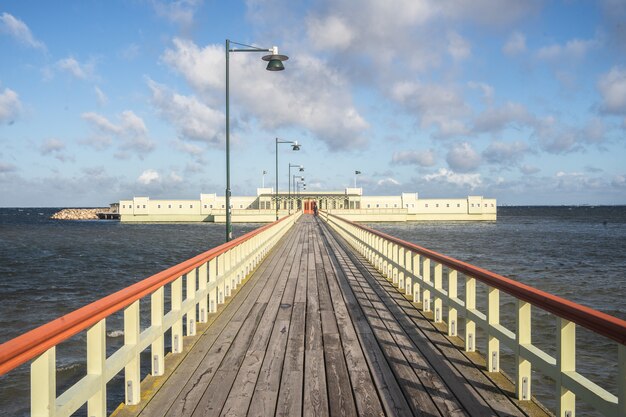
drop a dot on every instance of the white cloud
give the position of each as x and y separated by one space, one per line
486 89
612 86
505 153
450 177
75 68
17 29
573 49
309 95
131 132
529 169
458 47
177 11
515 45
332 32
422 158
463 158
488 12
498 118
100 96
148 177
56 148
10 106
193 120
435 105
387 181
6 167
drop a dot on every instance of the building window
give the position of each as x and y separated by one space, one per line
472 204
222 206
123 205
130 206
377 205
205 206
190 205
458 205
144 206
491 204
211 206
180 206
437 205
240 206
395 205
426 205
447 205
412 205
368 206
169 206
158 206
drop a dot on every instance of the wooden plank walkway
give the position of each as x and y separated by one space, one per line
316 331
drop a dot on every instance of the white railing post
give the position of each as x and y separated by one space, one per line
157 348
43 384
212 280
96 359
177 303
417 294
426 279
438 282
202 284
470 305
408 277
402 263
493 317
621 383
524 326
565 362
131 339
191 295
221 279
452 294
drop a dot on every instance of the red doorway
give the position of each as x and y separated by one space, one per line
309 206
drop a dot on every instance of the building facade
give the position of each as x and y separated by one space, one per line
350 204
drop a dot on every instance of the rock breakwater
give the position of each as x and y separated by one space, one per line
78 214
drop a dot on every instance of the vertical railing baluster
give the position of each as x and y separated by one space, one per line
96 359
43 384
191 295
470 304
426 279
493 317
452 294
177 327
221 284
523 333
203 308
417 291
565 362
212 279
621 383
401 266
157 348
395 251
408 272
229 275
438 282
131 339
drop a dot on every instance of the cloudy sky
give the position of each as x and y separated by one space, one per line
524 101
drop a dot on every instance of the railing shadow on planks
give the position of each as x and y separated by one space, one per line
409 267
208 278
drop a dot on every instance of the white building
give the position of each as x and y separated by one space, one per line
350 203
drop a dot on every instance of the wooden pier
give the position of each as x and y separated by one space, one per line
316 330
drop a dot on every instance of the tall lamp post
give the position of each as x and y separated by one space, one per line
300 178
355 174
274 63
294 146
301 169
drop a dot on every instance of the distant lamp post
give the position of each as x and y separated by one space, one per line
301 169
263 180
295 147
274 63
293 179
355 174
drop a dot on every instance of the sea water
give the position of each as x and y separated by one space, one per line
49 268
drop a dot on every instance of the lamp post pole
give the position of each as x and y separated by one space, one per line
274 63
355 174
289 183
296 147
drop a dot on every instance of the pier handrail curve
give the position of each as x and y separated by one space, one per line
597 321
29 345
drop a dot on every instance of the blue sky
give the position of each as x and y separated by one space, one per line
524 101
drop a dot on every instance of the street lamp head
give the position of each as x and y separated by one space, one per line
301 168
275 61
295 146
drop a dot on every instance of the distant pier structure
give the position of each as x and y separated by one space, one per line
349 203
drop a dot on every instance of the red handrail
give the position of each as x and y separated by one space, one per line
596 321
27 346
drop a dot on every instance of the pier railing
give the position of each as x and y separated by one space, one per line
419 272
208 278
